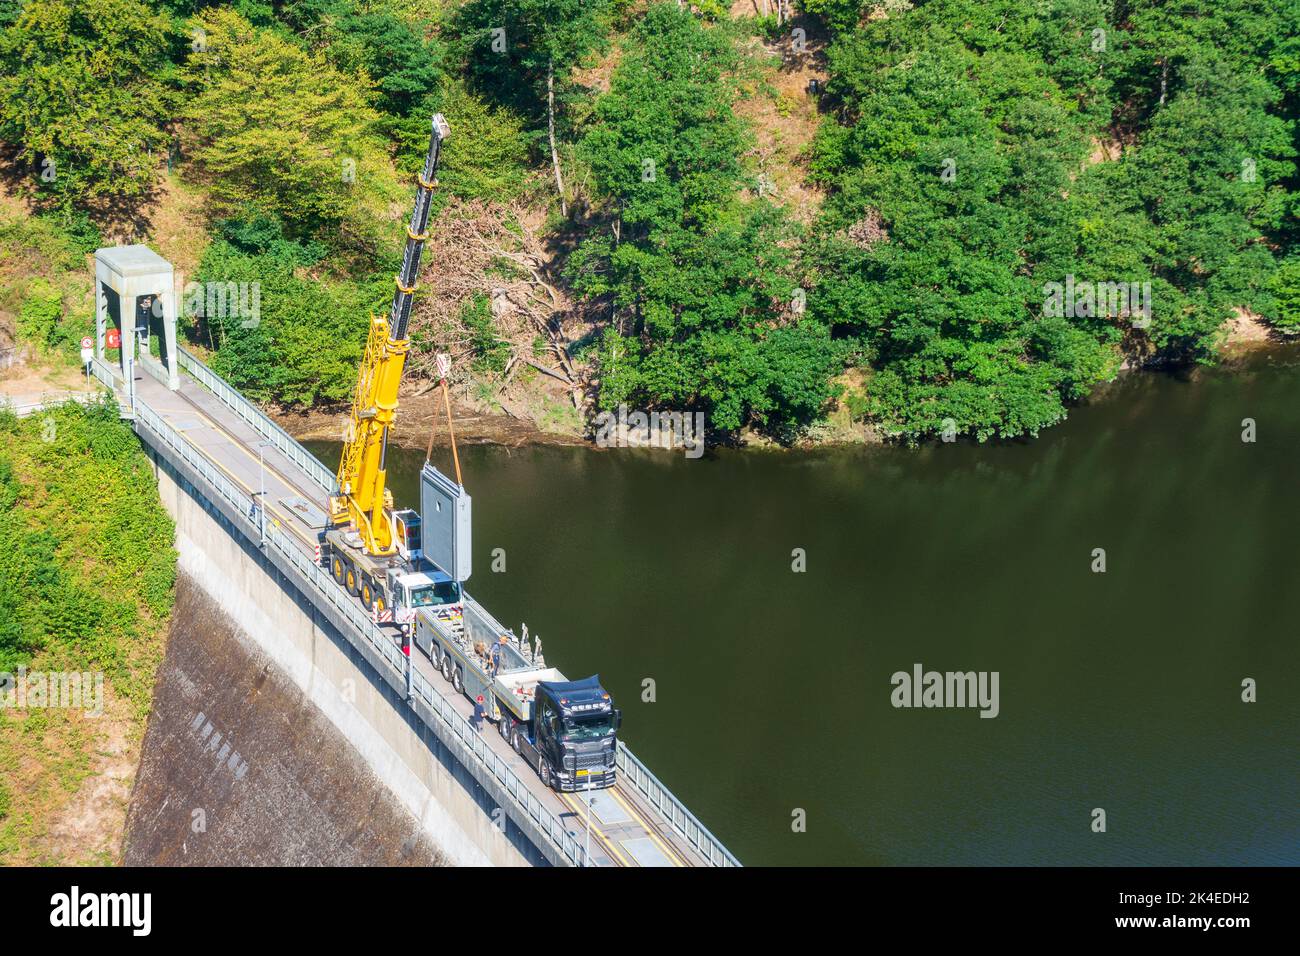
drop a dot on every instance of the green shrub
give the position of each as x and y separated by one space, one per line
491 353
86 560
39 317
304 345
1286 293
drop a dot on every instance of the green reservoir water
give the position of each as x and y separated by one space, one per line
1119 690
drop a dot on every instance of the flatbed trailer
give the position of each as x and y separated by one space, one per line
565 729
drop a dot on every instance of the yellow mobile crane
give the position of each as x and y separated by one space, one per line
374 551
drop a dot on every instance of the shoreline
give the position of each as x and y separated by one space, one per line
1249 339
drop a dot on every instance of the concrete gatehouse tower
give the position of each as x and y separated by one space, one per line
135 291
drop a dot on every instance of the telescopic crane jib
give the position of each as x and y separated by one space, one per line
363 501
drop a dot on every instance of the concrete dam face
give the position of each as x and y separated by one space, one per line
238 767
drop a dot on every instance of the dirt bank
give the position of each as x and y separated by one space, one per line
422 412
239 769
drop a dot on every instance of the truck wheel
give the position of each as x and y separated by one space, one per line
514 740
457 681
337 567
444 665
503 728
544 771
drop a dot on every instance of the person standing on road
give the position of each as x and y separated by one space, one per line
480 712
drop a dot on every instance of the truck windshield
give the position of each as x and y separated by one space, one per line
587 727
448 592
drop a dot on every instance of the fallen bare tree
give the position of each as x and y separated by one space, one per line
480 248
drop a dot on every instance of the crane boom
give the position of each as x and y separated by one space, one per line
363 500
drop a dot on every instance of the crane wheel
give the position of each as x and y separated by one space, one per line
337 568
351 580
367 596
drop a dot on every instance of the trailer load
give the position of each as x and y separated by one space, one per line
566 730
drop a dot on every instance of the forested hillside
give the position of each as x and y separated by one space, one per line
950 217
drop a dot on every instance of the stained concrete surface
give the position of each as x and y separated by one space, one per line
239 768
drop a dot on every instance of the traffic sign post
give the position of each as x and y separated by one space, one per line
87 353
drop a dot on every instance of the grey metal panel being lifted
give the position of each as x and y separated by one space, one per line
445 510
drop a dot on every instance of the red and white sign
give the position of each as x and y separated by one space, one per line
113 339
87 342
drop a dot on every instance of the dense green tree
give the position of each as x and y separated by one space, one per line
967 159
486 156
922 263
699 279
275 128
519 50
404 65
1286 294
394 50
305 342
83 95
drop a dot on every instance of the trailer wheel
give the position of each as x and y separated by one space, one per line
457 681
503 727
444 665
514 740
337 568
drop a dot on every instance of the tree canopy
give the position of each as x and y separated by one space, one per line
83 94
698 275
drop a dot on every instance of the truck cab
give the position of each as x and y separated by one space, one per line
430 590
575 734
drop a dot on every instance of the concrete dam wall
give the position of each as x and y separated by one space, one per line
239 767
272 733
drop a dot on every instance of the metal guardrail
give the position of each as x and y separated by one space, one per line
671 809
47 400
656 795
258 419
659 797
